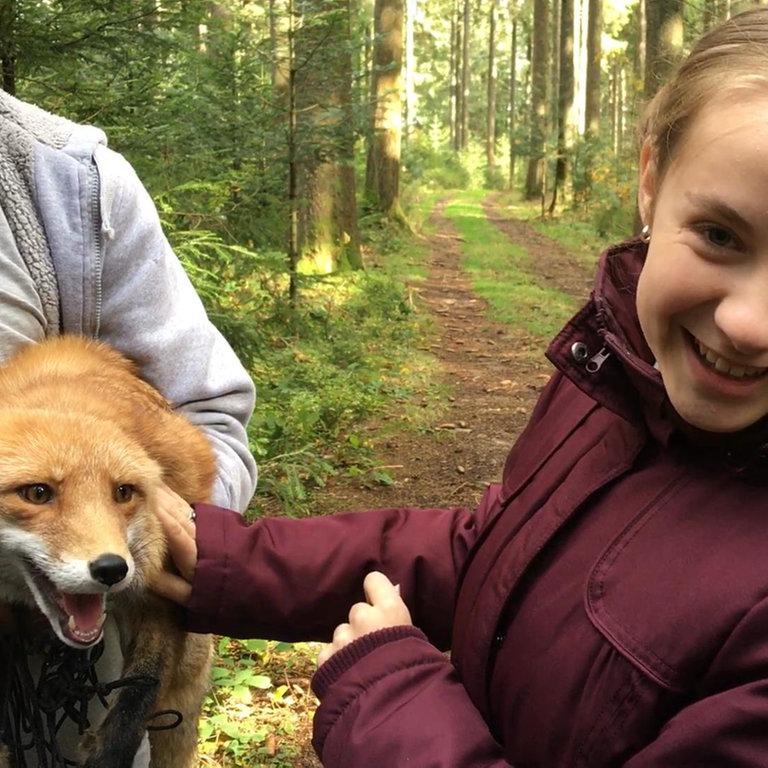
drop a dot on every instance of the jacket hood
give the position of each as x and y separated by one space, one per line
604 352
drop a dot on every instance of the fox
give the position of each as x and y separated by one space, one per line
85 444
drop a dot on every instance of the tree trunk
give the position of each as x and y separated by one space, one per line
410 70
384 154
455 58
327 222
594 58
465 75
513 104
490 110
7 48
280 17
565 100
663 42
534 183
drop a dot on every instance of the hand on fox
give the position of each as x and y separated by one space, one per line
179 528
384 608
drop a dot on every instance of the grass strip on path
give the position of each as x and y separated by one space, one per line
504 273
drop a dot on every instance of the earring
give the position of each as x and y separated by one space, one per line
645 234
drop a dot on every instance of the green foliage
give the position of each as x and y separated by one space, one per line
237 285
605 188
253 709
495 178
322 366
332 362
433 167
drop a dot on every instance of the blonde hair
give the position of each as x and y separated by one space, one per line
730 56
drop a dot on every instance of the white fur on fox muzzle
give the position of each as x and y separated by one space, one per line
71 594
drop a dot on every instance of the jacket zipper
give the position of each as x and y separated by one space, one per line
595 363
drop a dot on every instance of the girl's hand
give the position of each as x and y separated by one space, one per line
384 608
178 522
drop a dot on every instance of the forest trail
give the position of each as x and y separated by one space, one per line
493 373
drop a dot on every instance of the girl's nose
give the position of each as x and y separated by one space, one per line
742 316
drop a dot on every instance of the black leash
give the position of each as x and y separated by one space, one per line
32 713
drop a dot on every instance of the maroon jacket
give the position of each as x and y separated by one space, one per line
606 604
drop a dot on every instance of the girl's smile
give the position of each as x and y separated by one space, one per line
724 367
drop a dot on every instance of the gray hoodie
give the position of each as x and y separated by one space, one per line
91 258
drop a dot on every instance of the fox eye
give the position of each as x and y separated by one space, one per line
36 493
124 493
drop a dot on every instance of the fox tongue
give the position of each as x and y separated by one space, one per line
85 611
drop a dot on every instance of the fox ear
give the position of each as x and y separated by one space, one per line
646 188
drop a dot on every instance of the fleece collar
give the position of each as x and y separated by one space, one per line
22 127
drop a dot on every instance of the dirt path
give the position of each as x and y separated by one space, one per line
494 375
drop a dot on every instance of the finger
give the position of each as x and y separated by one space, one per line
359 614
169 501
325 653
343 635
385 597
181 543
172 587
379 589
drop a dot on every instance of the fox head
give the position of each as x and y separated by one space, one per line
76 517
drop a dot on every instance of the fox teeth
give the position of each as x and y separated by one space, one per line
91 634
721 365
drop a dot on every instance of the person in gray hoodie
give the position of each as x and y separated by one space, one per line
82 251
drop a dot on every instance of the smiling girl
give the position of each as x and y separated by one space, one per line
607 603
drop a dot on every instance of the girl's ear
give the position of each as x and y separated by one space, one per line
646 188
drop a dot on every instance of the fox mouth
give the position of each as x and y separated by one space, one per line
77 618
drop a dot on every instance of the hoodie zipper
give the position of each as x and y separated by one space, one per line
94 212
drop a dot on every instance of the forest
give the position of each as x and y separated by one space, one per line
284 142
295 148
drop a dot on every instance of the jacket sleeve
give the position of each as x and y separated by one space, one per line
726 724
296 579
151 312
392 699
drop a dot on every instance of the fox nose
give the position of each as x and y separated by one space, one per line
108 569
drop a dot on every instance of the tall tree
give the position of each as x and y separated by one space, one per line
322 78
8 42
565 97
618 93
465 74
410 68
490 109
594 69
663 41
512 133
534 182
383 166
455 76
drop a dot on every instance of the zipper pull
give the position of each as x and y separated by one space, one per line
595 363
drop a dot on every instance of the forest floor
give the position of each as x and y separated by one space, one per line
492 374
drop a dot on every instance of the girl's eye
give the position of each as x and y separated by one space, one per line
718 236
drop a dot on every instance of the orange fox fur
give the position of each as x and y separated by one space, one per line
84 445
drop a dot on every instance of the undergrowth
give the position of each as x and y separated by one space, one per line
344 352
260 708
